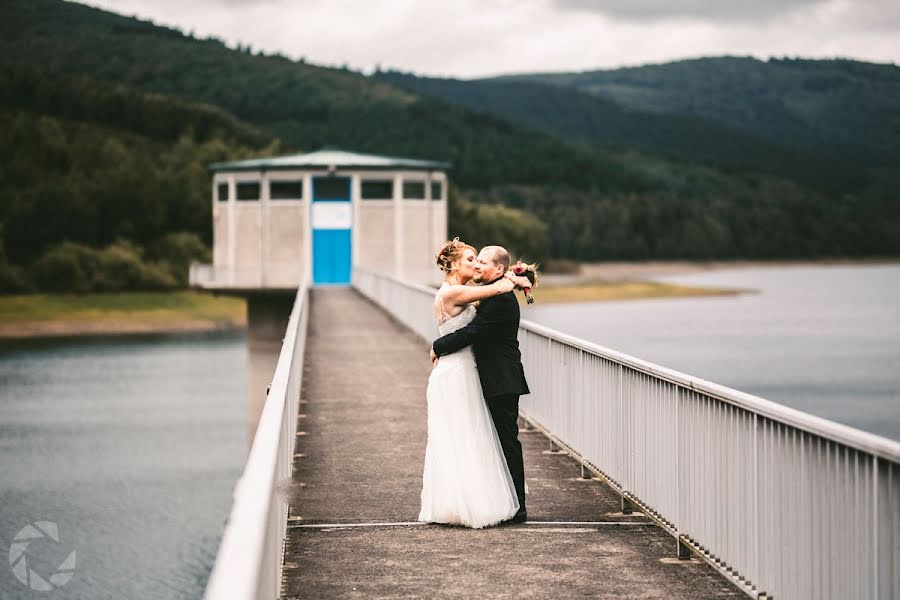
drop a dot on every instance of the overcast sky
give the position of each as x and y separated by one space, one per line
473 38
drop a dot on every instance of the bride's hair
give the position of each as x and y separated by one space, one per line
451 252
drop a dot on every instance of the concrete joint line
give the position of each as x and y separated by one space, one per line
529 524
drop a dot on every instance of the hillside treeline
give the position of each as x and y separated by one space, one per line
109 124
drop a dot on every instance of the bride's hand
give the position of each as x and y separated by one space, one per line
505 284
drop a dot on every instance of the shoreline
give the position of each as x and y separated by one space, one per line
33 316
181 312
619 271
81 328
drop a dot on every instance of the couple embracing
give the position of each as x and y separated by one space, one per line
473 473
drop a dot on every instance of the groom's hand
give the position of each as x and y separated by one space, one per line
434 359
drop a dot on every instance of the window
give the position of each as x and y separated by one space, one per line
414 190
331 188
377 189
437 190
222 192
286 190
248 191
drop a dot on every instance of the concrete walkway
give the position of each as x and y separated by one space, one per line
357 477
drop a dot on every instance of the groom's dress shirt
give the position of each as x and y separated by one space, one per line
493 334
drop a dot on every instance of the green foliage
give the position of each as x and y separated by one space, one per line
74 181
177 250
155 116
521 233
576 115
13 279
118 267
67 267
842 108
767 218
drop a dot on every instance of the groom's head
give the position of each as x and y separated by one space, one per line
491 264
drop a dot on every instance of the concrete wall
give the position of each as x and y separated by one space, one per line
419 247
375 235
247 251
285 242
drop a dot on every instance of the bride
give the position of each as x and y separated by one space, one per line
465 480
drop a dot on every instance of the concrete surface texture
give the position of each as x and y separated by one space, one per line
354 496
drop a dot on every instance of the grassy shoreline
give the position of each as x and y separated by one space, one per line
50 315
55 315
609 291
61 315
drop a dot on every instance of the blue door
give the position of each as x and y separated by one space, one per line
332 222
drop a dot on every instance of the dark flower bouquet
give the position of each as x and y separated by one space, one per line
530 272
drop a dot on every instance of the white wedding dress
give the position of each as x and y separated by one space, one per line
465 480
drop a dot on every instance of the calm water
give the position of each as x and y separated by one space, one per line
132 445
824 339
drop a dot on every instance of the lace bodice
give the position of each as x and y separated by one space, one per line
448 324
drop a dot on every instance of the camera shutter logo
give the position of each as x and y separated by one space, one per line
18 558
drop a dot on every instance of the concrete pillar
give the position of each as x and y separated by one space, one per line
265 236
399 246
232 229
355 200
267 318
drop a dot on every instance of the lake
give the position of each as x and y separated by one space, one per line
132 446
821 339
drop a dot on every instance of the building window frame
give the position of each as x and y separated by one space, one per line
414 183
241 188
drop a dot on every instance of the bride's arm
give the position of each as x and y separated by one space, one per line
460 295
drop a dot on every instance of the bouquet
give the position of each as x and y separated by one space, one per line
530 272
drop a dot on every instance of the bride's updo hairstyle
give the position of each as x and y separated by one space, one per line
451 252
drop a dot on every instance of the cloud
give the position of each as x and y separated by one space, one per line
474 38
732 11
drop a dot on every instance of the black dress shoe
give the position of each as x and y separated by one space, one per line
519 517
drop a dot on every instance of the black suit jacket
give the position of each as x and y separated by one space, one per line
493 334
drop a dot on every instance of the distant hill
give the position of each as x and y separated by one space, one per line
843 108
576 115
112 121
306 106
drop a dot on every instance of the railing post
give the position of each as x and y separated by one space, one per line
682 550
628 506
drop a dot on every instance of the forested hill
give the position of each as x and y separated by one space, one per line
576 115
845 108
306 106
109 123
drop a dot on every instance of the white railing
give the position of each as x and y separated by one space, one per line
249 562
782 503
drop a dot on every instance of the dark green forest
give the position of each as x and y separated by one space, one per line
841 108
109 124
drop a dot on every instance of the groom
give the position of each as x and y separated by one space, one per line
493 335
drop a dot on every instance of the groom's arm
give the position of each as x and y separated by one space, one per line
490 315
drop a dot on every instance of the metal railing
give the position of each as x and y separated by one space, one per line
249 561
782 503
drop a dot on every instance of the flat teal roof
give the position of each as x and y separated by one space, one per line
337 159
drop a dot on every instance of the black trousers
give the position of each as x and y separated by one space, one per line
505 412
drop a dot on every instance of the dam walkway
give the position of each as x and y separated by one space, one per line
353 496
